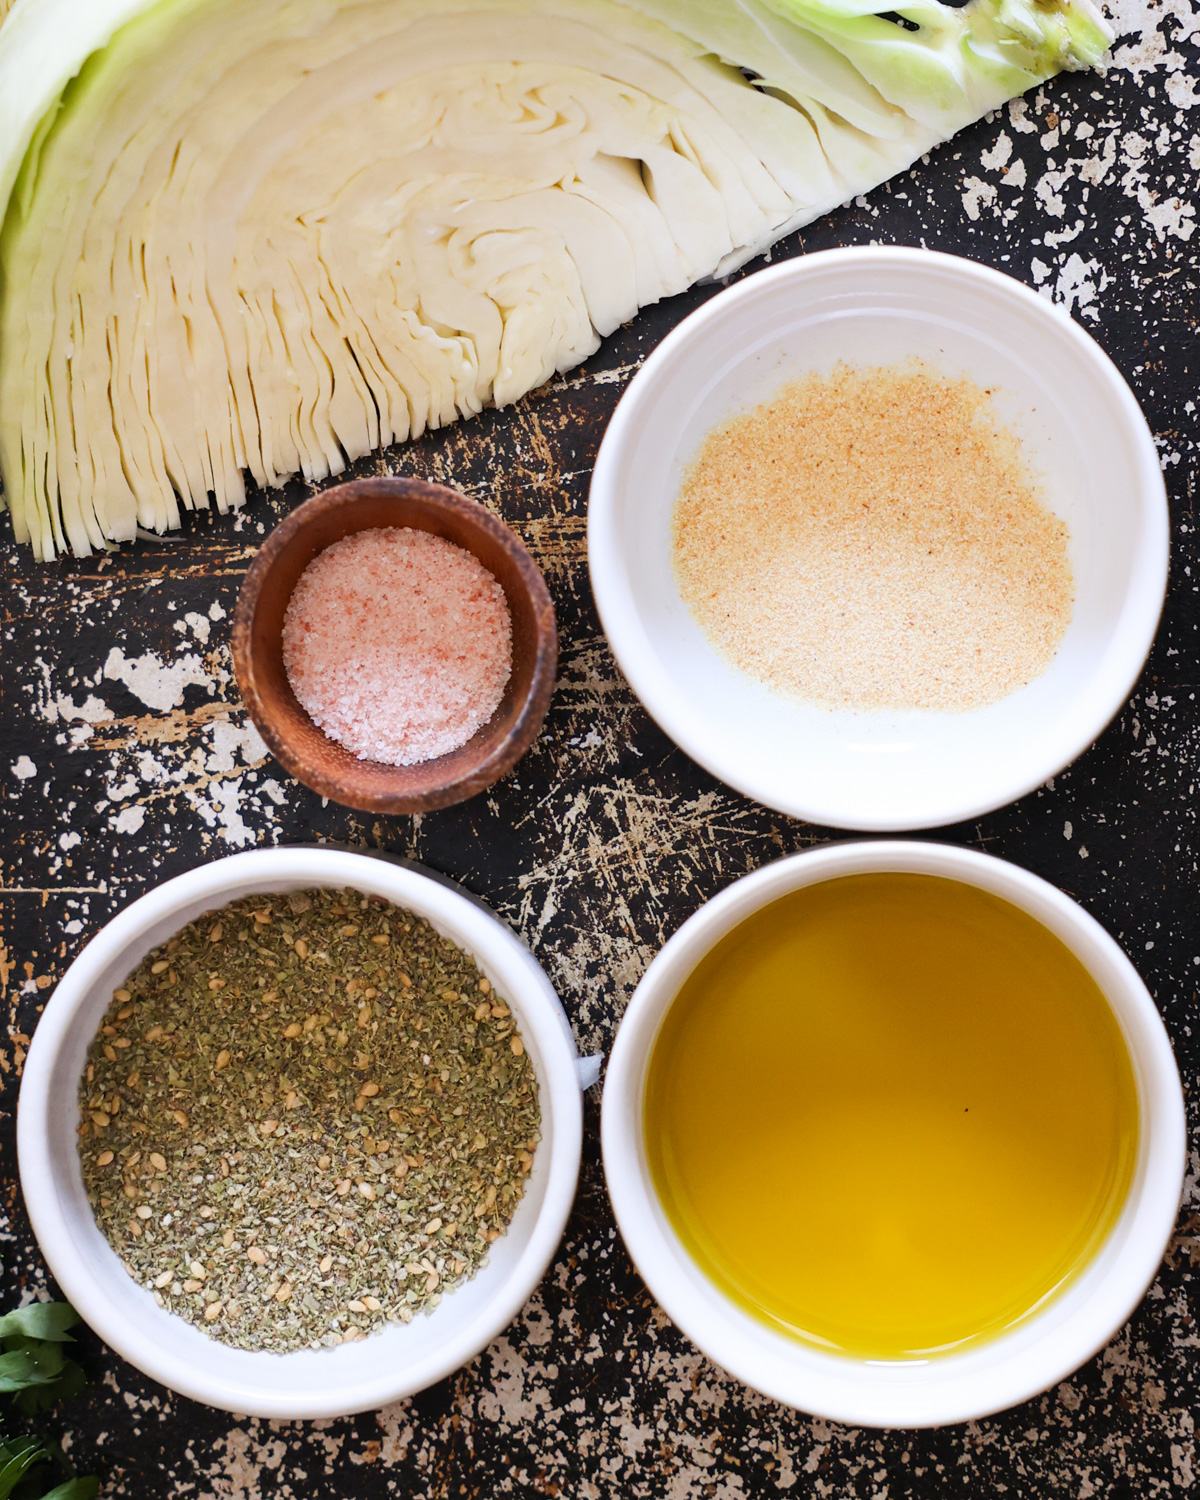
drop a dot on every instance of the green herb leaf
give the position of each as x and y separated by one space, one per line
74 1489
18 1457
41 1397
40 1320
36 1373
26 1367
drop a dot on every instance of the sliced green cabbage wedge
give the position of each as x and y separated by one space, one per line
264 237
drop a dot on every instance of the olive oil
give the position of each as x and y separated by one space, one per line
891 1114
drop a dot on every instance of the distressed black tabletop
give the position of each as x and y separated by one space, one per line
127 758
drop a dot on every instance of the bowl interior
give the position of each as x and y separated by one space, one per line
304 749
395 1361
1083 436
919 1392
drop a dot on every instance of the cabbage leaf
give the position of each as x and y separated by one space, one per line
265 237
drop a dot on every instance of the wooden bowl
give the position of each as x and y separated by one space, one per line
305 751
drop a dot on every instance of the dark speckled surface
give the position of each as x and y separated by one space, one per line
126 758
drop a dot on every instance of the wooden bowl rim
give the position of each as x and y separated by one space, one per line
472 778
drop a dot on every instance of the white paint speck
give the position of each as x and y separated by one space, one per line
129 820
1000 153
1079 285
24 768
157 684
199 625
61 708
230 739
977 195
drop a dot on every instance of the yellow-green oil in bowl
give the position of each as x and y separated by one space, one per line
891 1114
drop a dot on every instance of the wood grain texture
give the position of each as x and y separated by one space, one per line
127 757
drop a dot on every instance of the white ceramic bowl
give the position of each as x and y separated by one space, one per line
1082 432
953 1387
310 1383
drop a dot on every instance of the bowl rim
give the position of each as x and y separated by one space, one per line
633 647
991 1377
473 925
528 722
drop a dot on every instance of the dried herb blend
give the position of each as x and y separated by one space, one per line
303 1117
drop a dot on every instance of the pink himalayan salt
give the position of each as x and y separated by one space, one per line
398 644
